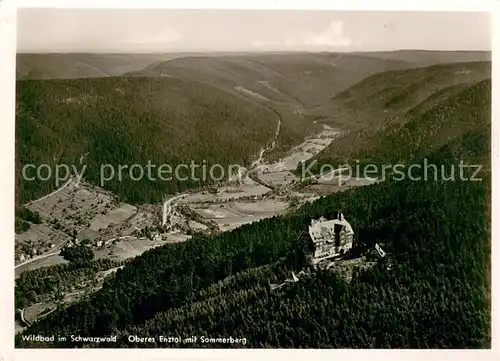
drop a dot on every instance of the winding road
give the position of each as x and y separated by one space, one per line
166 212
52 252
259 160
52 193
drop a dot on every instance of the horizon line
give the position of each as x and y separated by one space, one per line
245 51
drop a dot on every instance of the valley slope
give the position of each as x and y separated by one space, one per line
402 116
430 290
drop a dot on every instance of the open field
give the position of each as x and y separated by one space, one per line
310 147
233 215
247 188
338 185
278 178
68 66
148 257
41 237
79 211
48 261
73 207
115 216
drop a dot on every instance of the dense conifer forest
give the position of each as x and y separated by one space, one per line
414 134
42 283
126 121
431 290
434 295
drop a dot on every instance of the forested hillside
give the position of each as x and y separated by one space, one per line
390 93
412 134
431 290
435 294
429 57
175 111
81 65
288 83
307 79
132 121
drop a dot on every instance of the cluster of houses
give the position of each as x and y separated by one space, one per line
30 254
91 238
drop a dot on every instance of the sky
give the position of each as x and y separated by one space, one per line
170 30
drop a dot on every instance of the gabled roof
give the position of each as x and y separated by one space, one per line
333 226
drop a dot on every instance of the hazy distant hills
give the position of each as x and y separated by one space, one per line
429 57
88 65
74 65
163 104
307 79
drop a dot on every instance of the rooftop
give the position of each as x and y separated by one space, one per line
321 226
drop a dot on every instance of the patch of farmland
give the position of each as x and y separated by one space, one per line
41 236
74 206
113 217
248 188
129 247
233 215
334 185
278 178
50 260
197 226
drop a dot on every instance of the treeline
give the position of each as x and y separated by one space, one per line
42 283
78 253
435 295
127 121
24 215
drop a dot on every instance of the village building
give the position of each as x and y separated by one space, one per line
331 238
214 190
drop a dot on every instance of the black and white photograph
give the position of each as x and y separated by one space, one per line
252 179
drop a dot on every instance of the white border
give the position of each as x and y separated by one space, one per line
7 140
428 5
7 94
